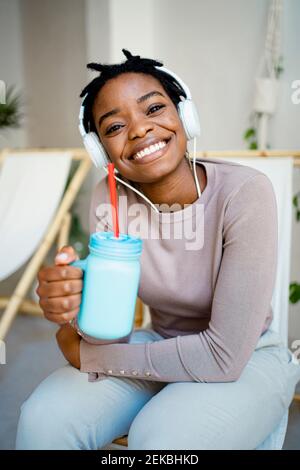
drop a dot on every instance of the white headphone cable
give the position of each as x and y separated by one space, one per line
135 190
194 168
148 200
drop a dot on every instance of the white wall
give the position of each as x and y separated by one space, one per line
97 30
11 64
54 65
214 46
284 130
132 26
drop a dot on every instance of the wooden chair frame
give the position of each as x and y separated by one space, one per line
58 227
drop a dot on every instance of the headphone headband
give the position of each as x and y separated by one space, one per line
181 83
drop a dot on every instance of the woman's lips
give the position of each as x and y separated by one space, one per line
153 156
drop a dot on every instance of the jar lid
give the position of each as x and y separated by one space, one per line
107 244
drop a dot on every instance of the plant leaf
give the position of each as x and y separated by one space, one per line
295 201
251 132
10 115
294 294
253 146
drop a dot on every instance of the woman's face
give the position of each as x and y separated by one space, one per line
139 127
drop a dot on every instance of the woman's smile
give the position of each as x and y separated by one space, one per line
151 151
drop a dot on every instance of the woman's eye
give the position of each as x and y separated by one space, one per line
155 108
113 128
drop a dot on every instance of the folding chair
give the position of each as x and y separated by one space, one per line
33 214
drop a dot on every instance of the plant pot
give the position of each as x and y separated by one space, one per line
266 95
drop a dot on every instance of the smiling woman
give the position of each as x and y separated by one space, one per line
209 360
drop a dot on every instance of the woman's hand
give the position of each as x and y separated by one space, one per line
60 288
68 341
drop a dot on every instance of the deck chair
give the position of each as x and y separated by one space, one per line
34 212
280 172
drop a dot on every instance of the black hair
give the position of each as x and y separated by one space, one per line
134 64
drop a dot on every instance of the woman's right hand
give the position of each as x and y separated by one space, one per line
60 287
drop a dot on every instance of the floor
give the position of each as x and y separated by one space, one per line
32 354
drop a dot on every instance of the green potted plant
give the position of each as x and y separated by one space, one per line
10 115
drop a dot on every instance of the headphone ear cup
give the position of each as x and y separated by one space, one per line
96 150
190 119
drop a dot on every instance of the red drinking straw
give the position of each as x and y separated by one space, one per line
113 198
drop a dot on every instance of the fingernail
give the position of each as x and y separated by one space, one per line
62 256
67 287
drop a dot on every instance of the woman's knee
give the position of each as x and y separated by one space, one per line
35 425
154 435
141 437
148 433
42 426
46 417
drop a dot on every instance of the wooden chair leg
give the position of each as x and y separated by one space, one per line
121 441
64 233
139 312
28 307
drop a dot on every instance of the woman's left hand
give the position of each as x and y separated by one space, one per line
68 341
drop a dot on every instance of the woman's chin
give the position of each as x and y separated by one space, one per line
153 174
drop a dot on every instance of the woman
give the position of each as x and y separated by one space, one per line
208 373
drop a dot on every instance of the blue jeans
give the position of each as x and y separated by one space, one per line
67 412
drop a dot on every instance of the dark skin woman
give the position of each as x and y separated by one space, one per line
130 112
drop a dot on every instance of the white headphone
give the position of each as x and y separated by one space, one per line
186 109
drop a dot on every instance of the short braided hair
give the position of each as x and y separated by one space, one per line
134 64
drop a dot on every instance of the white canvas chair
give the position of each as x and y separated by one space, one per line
33 214
280 172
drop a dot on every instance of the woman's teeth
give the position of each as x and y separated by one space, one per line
149 150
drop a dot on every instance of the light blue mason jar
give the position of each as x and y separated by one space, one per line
110 285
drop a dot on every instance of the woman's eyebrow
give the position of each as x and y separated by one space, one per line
109 113
139 100
148 95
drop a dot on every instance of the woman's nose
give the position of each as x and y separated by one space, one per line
139 127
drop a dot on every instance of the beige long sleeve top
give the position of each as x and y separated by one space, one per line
209 292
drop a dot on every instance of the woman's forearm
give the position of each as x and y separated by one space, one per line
68 341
